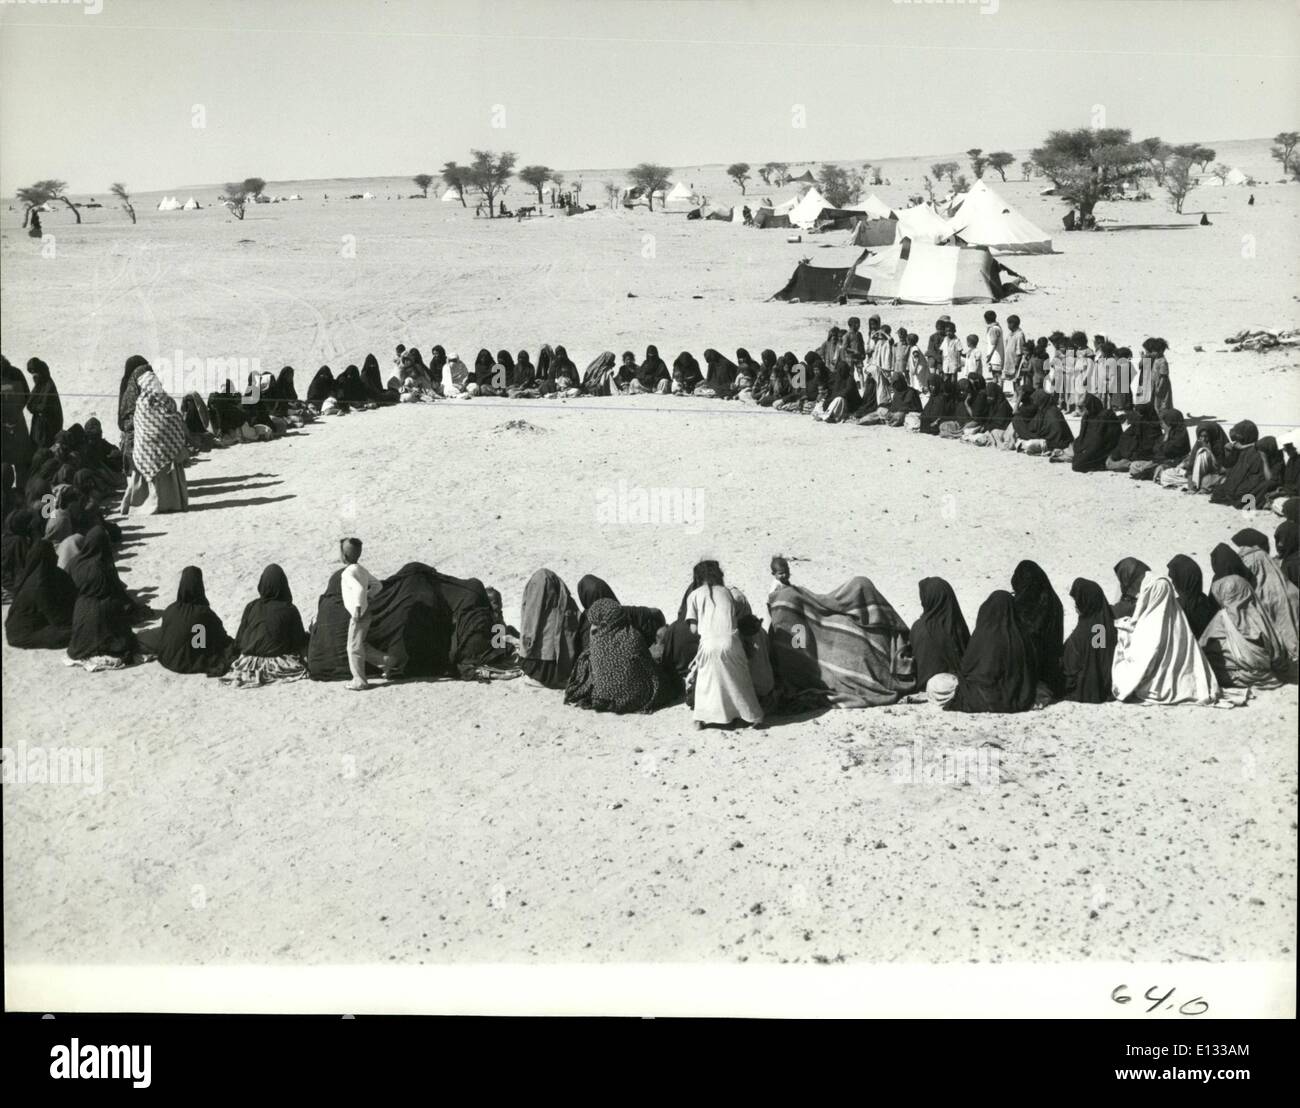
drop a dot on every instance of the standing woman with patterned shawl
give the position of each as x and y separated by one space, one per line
44 404
159 445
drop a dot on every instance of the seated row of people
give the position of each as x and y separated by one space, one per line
1165 640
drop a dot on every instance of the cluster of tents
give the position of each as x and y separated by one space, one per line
913 255
171 204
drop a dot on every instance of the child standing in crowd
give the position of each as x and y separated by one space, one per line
994 354
780 575
973 360
918 365
934 349
855 344
952 353
1019 348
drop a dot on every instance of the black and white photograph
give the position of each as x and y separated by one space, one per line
679 508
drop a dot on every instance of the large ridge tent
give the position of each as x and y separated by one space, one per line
923 273
824 277
980 217
809 207
805 178
908 272
770 218
874 207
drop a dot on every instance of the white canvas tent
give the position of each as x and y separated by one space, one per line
678 194
806 211
1234 177
191 205
451 195
169 204
980 217
923 273
921 223
873 206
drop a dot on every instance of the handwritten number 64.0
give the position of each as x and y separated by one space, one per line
1195 1007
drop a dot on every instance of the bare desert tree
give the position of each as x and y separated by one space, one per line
119 190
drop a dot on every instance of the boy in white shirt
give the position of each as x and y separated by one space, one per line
359 587
994 346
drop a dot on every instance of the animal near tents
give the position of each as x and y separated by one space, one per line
907 272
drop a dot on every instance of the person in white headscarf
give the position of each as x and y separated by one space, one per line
1157 658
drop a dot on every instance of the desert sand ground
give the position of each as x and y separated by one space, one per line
437 822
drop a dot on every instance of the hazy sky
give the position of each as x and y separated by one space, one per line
326 88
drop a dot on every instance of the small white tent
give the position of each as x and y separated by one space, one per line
169 204
451 195
191 205
980 217
367 196
805 213
679 193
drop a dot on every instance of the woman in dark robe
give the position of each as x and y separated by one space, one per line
625 374
942 406
1051 427
271 639
376 393
841 397
548 636
997 671
1130 573
350 389
1090 649
590 589
940 637
16 445
41 615
1025 418
437 359
1197 606
563 371
977 405
1170 450
327 648
719 376
8 490
1043 619
1246 481
321 388
905 401
44 404
22 528
765 384
101 624
98 453
620 676
1099 433
484 373
686 373
652 375
523 381
1287 540
1226 562
192 638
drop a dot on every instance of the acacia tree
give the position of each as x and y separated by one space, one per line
999 160
253 186
119 190
1088 166
235 196
536 176
1026 170
456 177
840 186
650 178
1195 153
558 180
940 170
739 172
1284 151
1178 181
612 189
489 175
422 182
45 192
977 161
1157 154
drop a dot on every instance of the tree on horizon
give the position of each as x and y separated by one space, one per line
235 197
1090 165
999 160
489 175
977 161
43 192
739 172
650 178
1284 151
537 176
456 177
119 190
422 181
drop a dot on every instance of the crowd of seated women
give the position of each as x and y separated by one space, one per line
1165 639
